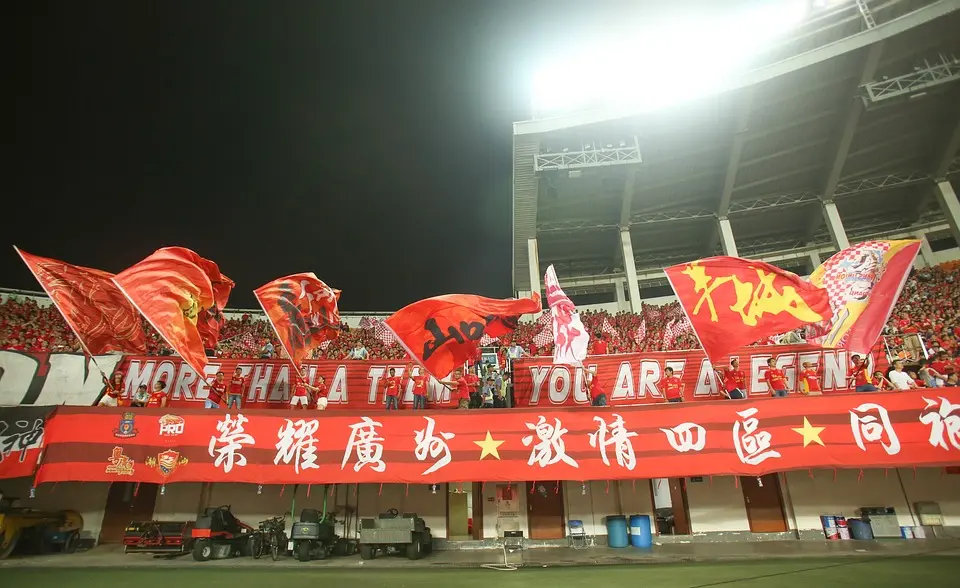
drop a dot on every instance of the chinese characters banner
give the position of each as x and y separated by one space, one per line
749 437
21 439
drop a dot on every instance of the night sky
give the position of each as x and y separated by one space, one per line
367 141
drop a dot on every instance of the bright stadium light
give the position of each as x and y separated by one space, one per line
671 63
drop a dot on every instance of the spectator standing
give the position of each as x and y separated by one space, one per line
599 345
776 379
672 386
235 391
158 398
734 381
810 379
267 351
419 387
215 395
391 390
861 375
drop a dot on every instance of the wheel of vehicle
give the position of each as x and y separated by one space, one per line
70 545
302 550
202 550
366 552
256 546
274 546
6 550
427 543
322 552
416 548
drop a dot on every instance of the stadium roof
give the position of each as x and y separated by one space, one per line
860 109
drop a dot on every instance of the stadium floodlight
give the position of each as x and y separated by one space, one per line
670 63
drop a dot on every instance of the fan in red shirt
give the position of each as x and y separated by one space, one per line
113 394
861 375
672 387
158 398
776 379
321 391
301 392
419 387
734 381
599 345
462 393
215 395
391 389
810 379
597 395
235 389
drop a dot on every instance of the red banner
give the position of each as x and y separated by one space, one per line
21 439
627 379
749 437
635 378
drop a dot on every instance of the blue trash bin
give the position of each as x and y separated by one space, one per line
617 531
640 535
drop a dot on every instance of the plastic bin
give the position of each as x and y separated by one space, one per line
640 534
617 531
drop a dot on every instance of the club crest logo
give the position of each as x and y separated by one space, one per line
166 462
171 425
126 429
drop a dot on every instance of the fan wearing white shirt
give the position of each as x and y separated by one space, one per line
899 378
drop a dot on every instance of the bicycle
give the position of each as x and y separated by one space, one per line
270 536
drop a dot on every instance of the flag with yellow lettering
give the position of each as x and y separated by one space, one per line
732 302
863 283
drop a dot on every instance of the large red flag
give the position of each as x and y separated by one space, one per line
170 288
303 311
732 302
211 320
864 282
91 304
443 332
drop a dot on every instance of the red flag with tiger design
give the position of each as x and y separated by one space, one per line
303 312
170 288
91 304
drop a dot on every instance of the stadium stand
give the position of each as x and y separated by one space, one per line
929 306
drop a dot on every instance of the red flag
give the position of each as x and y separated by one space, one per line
303 312
444 331
170 288
732 302
91 304
211 320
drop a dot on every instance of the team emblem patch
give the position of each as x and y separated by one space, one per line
127 428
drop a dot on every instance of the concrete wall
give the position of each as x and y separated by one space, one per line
716 506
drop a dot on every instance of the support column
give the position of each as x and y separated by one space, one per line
837 233
726 237
621 298
814 260
533 259
950 207
926 252
630 266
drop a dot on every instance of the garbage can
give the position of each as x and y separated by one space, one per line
640 535
860 530
617 531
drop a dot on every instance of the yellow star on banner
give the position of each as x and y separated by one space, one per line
489 446
810 433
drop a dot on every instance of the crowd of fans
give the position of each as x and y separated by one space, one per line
928 306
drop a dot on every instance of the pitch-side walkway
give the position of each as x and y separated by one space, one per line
113 557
